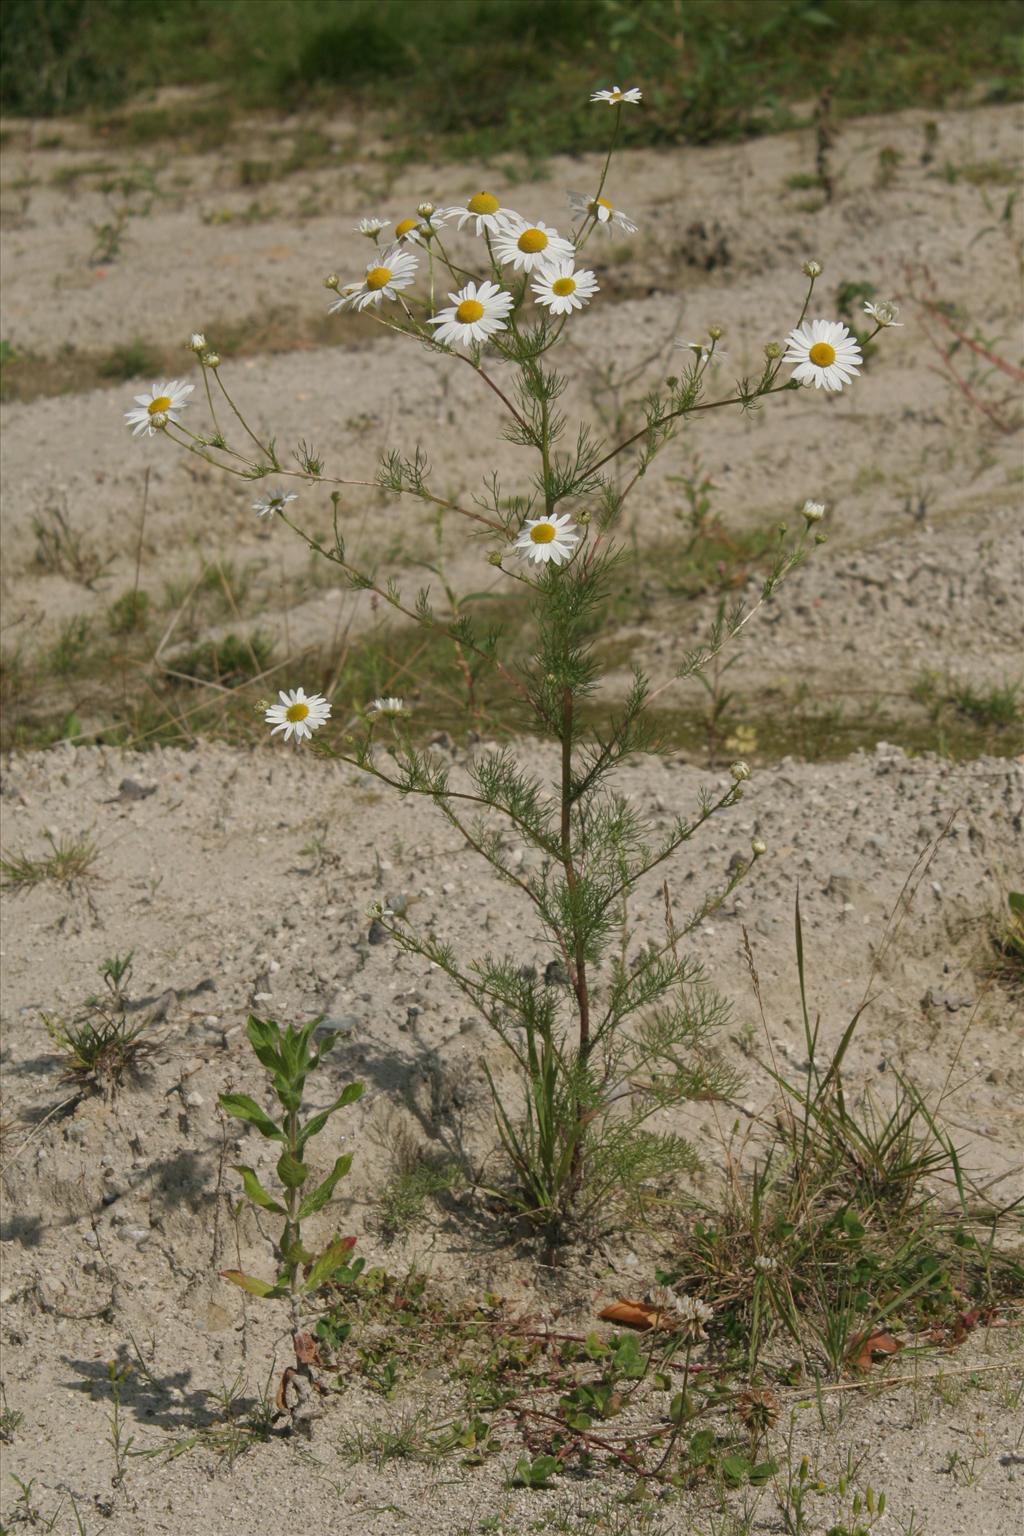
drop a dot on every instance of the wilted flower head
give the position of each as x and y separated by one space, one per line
814 511
693 1315
197 342
765 1263
273 501
812 268
740 771
758 1409
884 311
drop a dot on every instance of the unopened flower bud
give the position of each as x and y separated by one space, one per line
197 342
812 269
740 771
783 529
582 519
821 538
425 210
758 847
773 351
211 359
495 557
158 419
814 511
332 280
715 332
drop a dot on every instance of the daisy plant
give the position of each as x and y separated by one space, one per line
602 1042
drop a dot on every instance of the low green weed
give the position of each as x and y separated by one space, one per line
69 863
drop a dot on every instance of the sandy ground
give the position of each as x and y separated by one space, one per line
242 881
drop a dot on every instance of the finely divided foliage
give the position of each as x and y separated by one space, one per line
602 1040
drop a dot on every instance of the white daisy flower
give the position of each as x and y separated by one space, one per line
273 501
407 230
159 407
602 211
616 96
385 278
299 714
485 208
371 228
547 538
387 706
825 354
884 311
814 511
529 246
561 288
476 313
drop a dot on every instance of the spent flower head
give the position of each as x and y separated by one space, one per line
544 539
273 501
884 311
615 96
693 1315
740 771
812 268
814 511
197 342
766 1263
157 407
298 714
826 354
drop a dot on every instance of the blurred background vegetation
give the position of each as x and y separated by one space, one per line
454 76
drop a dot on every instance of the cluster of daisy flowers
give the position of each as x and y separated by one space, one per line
530 256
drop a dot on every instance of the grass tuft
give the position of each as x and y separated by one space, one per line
69 863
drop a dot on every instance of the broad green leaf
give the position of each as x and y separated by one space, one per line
295 1252
243 1108
315 1126
254 1189
735 1469
265 1039
250 1283
290 1171
320 1196
332 1258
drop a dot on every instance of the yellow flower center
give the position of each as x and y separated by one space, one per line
543 533
532 240
599 203
296 712
822 355
378 277
483 202
160 404
405 226
468 311
563 286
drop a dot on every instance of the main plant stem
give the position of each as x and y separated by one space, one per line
579 976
